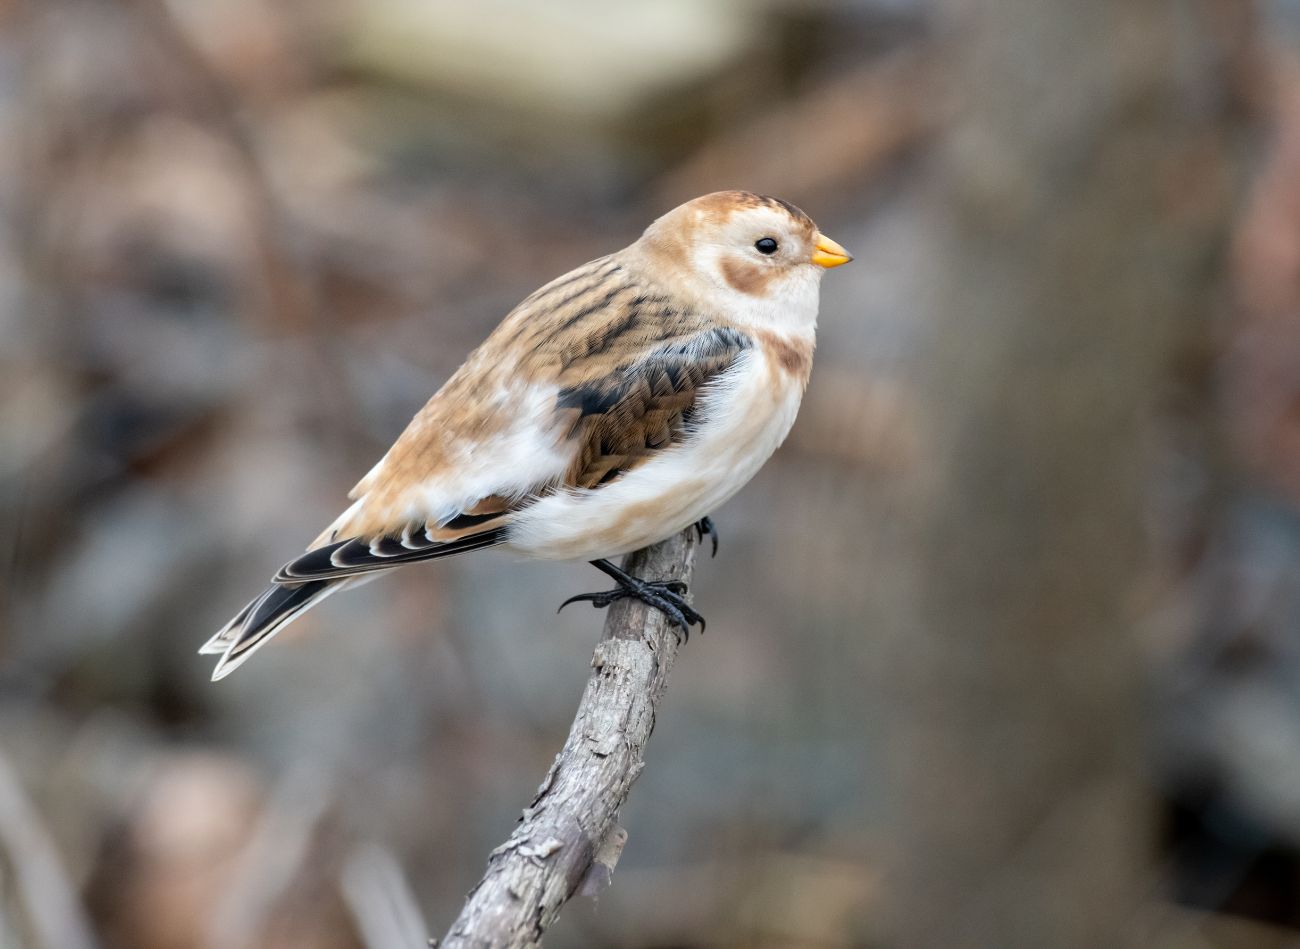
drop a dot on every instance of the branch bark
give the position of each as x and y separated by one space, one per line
569 838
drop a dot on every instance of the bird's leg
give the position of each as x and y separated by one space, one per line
706 528
663 595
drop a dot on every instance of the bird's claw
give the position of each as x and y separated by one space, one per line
705 527
663 595
598 600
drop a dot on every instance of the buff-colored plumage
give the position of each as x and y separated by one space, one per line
613 407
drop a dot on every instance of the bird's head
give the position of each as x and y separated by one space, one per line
748 245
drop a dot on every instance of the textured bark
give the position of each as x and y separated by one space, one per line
569 837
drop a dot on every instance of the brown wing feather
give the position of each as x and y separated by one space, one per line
626 415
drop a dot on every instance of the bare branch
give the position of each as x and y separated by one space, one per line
569 838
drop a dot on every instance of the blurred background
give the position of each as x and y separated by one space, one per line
1004 644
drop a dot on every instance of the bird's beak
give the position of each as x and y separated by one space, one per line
829 254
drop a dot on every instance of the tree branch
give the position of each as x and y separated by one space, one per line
569 838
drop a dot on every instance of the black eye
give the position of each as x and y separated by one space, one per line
765 245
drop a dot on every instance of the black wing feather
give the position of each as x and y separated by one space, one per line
347 558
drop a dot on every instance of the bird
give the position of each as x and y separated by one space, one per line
615 406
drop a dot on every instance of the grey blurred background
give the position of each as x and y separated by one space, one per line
1004 644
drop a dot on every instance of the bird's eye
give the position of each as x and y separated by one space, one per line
765 245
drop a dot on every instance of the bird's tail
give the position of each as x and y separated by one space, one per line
254 625
304 582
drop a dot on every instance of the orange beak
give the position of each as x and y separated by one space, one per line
829 254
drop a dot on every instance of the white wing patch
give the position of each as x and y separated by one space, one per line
511 463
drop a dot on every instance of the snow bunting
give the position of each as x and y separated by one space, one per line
617 405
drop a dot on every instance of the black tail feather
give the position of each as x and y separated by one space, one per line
265 617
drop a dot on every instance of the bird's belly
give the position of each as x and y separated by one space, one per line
742 424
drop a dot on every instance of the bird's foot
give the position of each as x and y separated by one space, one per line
705 527
664 595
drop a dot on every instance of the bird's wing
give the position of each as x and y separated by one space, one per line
586 380
621 418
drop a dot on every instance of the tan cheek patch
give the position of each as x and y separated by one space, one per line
748 277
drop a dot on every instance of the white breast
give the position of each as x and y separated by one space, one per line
741 419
